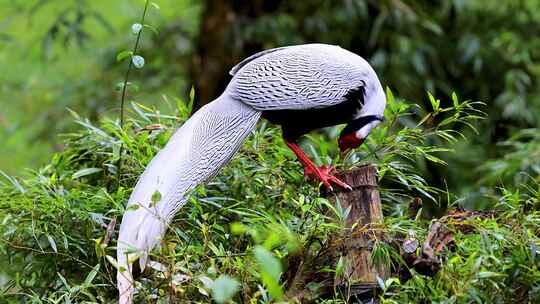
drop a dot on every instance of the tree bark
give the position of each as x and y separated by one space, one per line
220 43
211 56
359 276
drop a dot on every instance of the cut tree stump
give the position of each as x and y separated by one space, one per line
359 276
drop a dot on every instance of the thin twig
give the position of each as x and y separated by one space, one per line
15 246
124 92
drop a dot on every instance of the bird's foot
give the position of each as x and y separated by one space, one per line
324 169
324 174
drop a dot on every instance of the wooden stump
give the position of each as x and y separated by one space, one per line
359 277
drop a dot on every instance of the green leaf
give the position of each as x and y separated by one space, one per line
270 270
14 182
52 242
428 116
137 108
123 55
113 262
435 159
85 172
488 274
153 29
224 288
63 280
435 103
91 275
207 282
239 228
191 95
133 87
340 266
133 207
156 197
455 99
97 247
389 95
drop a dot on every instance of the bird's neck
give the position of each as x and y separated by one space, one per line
375 101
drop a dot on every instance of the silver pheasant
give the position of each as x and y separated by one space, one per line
301 88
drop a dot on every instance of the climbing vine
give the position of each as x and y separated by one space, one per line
136 61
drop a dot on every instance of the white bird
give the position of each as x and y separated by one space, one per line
301 88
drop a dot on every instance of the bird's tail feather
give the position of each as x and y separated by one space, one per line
195 153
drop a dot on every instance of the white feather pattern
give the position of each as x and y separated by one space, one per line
195 153
300 77
295 77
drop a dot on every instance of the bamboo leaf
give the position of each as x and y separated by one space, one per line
86 172
123 55
224 288
91 275
53 243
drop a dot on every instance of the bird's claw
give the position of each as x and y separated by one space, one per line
338 182
324 174
324 170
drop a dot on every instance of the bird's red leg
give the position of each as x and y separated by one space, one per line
323 173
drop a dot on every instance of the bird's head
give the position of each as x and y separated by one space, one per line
356 132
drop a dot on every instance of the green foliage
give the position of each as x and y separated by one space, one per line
497 263
520 164
224 288
270 271
485 51
238 236
41 80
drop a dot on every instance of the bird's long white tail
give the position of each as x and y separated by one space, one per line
195 153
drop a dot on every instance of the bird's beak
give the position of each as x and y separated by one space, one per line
347 144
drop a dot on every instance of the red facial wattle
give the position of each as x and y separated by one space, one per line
349 141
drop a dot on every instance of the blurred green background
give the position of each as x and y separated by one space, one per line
57 55
60 54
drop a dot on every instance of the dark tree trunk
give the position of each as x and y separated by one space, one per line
363 224
220 45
